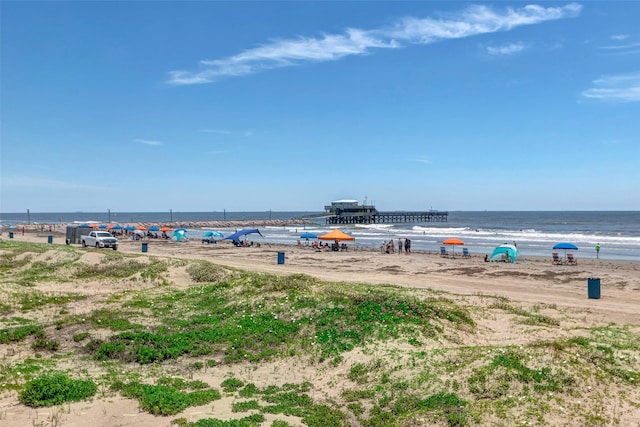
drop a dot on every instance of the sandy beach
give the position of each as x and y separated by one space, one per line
536 282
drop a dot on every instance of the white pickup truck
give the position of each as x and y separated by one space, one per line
100 239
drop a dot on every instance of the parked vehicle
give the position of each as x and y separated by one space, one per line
100 239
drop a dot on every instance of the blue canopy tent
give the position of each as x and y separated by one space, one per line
565 246
308 236
505 252
235 237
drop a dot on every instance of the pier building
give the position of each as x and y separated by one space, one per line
350 212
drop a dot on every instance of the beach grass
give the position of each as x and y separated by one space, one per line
365 355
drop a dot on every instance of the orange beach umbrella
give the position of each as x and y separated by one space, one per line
453 242
336 235
166 229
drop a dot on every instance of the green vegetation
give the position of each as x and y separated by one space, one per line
55 389
35 300
250 421
169 399
118 266
335 354
19 333
210 319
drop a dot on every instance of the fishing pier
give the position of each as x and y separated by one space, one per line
350 212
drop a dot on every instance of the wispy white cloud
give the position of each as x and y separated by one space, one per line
331 47
617 88
619 37
508 49
424 160
147 141
620 44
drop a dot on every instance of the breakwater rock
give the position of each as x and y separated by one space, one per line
234 224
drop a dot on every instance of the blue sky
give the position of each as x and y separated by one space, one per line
252 106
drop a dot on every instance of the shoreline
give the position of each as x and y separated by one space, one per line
535 281
58 231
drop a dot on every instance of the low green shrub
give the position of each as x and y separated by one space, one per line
165 400
55 389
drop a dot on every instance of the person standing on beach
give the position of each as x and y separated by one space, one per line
597 250
399 246
407 246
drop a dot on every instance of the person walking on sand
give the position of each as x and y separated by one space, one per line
399 246
597 250
407 246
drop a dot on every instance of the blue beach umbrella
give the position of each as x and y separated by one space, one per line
102 226
565 246
308 236
129 228
154 228
117 227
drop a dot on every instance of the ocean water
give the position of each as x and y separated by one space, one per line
534 232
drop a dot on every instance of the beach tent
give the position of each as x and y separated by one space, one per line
502 251
308 236
336 235
235 237
213 234
179 234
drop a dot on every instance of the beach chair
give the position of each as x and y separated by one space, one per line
556 259
443 251
465 253
571 260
